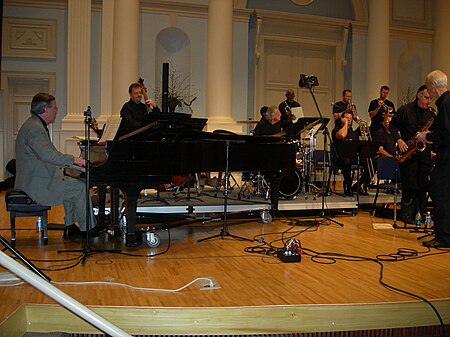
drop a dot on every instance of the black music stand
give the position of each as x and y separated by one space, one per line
224 232
361 150
87 250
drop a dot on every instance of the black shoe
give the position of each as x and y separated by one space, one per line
96 231
408 219
362 192
435 244
71 232
348 193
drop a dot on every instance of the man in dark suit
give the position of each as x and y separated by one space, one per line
439 137
40 165
136 114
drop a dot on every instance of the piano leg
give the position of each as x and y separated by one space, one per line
101 190
115 210
131 195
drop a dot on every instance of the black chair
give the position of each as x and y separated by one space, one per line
387 170
19 204
335 168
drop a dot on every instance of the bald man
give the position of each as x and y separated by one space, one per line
439 136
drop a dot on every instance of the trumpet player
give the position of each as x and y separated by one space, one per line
378 108
414 171
439 136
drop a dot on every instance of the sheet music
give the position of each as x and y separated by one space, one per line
110 130
298 112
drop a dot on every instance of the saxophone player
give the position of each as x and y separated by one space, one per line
414 171
439 136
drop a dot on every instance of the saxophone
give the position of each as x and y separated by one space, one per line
363 126
414 144
364 135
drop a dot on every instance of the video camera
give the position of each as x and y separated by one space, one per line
308 81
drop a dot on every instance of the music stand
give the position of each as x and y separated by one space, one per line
224 231
359 149
87 250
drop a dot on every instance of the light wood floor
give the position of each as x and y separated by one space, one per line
338 272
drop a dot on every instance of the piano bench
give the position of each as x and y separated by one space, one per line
19 204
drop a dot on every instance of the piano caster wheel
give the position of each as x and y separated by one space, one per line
152 239
266 217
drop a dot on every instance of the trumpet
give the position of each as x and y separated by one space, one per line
389 110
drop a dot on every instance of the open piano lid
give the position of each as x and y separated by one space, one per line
169 122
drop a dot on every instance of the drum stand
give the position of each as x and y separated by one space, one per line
224 232
256 185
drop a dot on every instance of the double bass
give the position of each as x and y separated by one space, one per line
176 180
144 93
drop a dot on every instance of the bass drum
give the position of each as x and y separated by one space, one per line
290 185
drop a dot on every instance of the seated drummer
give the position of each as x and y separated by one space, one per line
268 127
134 113
342 133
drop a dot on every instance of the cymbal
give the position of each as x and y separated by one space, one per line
248 122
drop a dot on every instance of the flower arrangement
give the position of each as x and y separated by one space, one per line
179 92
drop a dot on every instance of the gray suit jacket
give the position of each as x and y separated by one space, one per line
39 164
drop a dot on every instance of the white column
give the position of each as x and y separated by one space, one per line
125 50
377 47
220 66
78 63
441 47
106 65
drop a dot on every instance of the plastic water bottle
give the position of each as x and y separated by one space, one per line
418 219
428 220
39 224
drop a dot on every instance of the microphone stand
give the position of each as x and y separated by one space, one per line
87 250
326 136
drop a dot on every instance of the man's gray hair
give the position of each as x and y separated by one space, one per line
270 113
41 101
438 78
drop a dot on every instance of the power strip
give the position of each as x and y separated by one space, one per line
8 277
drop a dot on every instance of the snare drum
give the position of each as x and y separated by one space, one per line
290 185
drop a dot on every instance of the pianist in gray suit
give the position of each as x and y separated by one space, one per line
40 169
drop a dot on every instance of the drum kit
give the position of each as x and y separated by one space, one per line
301 180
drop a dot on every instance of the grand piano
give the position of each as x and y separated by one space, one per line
165 148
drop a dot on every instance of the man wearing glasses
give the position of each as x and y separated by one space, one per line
414 171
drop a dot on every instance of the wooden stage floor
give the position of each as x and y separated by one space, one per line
335 287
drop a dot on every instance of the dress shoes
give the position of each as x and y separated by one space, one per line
96 231
407 219
435 244
71 232
348 193
363 192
